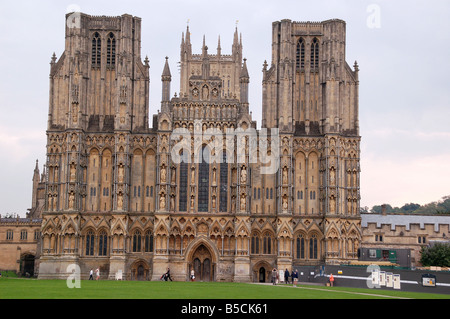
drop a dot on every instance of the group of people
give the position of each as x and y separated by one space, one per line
97 274
276 276
294 276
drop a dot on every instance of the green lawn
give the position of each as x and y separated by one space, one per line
12 288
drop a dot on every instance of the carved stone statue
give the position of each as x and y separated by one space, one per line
243 175
285 203
162 201
332 176
172 202
192 176
120 173
332 204
72 172
242 202
120 201
163 174
71 200
285 175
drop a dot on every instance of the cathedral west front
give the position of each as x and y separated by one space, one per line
198 186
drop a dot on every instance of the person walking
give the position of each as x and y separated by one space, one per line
97 274
168 274
331 280
286 276
274 276
192 275
294 277
91 275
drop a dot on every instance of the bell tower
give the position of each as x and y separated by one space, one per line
309 88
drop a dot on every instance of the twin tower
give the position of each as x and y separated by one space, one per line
118 198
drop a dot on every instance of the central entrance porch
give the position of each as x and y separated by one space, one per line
202 263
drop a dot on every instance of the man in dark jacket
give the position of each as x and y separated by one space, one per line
294 277
286 276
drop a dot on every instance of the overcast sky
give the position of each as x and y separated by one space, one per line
402 48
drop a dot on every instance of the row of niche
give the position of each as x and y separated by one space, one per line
205 112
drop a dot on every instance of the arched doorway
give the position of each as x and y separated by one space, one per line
262 274
202 264
27 265
140 271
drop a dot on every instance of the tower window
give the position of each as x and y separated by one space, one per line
314 54
300 56
96 50
111 50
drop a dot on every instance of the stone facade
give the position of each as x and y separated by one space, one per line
117 196
19 245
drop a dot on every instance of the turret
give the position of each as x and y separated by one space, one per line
36 180
166 78
244 80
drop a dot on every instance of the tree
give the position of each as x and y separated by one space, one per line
443 206
440 207
408 208
378 209
364 210
436 255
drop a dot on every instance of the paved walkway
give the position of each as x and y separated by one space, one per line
329 290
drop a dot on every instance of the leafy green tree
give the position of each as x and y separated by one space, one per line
436 255
408 208
443 206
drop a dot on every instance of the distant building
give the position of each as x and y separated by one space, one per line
399 237
20 237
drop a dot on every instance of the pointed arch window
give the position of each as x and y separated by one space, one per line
111 50
314 54
255 244
90 243
96 50
102 244
267 244
203 181
182 204
148 244
224 183
137 241
300 247
300 56
313 247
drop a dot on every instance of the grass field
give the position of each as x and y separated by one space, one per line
13 288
